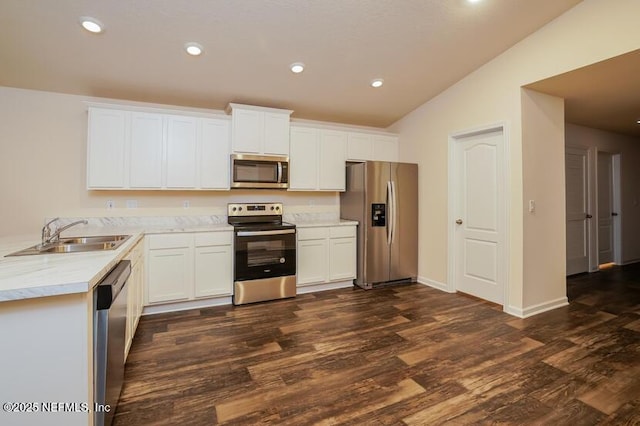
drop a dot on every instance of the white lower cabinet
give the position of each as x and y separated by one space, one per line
135 293
213 264
326 254
187 266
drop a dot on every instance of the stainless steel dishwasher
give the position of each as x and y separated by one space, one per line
109 322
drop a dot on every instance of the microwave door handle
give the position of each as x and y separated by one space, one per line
279 172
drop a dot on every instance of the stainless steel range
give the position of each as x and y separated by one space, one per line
265 253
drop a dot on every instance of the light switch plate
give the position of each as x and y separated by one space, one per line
532 206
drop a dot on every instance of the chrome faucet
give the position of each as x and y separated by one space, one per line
49 237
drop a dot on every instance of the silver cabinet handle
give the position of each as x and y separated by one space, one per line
459 221
589 216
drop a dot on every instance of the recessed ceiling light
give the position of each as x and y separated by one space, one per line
474 1
91 24
638 121
378 82
297 67
193 49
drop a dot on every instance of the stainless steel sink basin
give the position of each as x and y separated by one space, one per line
76 245
93 240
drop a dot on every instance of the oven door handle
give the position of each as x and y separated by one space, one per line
259 233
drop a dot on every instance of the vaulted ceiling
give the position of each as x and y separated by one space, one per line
419 48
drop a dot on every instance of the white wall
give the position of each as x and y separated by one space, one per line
43 170
629 149
592 31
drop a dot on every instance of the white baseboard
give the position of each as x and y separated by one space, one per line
183 306
323 286
629 262
536 309
435 284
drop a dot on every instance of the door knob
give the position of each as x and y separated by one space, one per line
459 221
589 216
614 214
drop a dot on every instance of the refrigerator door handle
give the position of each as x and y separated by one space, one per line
394 207
389 212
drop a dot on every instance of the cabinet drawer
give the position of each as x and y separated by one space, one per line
214 238
342 231
312 233
169 241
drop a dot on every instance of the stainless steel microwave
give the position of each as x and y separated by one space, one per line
259 171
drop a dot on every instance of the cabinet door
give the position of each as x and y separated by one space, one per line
303 159
170 274
276 133
213 271
342 262
106 148
181 151
385 148
333 145
248 131
214 154
145 165
312 261
359 147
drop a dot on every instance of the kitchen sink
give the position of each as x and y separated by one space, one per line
94 240
76 245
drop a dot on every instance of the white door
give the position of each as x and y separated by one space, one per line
479 215
577 209
605 208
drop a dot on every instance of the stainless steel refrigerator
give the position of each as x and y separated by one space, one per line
383 198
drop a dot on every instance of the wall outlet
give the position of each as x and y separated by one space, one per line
110 204
186 204
532 206
132 204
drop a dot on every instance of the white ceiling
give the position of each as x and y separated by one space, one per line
419 47
605 95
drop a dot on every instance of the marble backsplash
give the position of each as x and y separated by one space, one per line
191 221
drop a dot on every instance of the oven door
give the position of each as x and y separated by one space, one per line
264 253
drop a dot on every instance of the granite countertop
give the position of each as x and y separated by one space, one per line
26 277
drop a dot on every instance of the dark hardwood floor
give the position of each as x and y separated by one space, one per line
396 355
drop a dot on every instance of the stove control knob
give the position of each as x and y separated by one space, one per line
234 209
277 207
239 208
272 208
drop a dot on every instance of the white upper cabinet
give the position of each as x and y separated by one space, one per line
359 147
385 148
107 142
146 146
303 159
214 154
182 144
147 150
332 152
362 146
259 130
317 159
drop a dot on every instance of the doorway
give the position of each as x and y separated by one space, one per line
478 227
593 228
608 210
